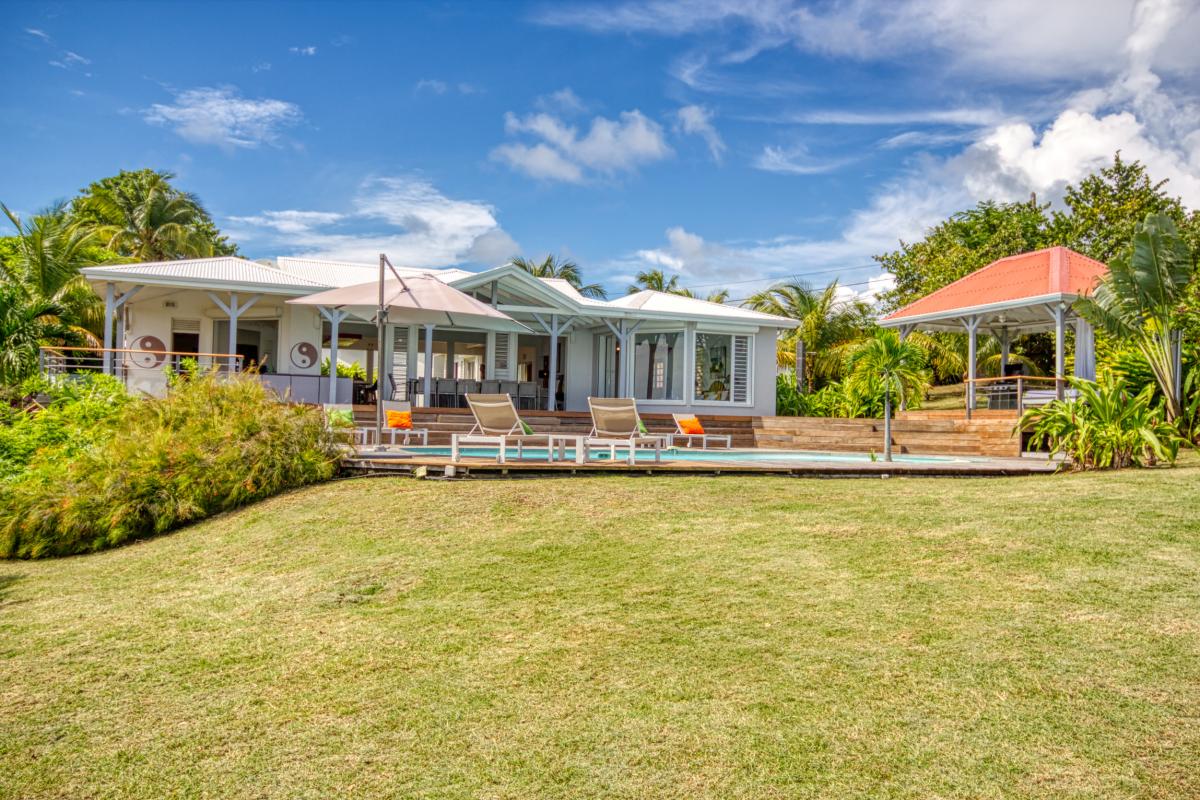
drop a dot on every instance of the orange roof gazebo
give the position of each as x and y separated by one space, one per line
1026 293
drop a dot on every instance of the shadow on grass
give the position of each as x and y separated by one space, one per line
6 583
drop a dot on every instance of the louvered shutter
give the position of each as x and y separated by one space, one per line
741 369
400 362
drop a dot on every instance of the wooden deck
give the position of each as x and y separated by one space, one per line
913 433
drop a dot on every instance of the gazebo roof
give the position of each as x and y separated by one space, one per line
1013 292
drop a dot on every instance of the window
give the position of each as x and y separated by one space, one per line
658 366
723 367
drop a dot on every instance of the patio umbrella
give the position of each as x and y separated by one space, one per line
415 299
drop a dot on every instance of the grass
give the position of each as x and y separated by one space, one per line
624 637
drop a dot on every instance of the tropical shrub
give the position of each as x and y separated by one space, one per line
212 444
1105 427
75 415
345 370
845 399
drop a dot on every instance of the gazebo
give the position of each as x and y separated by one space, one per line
1026 293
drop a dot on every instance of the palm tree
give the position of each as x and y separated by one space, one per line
51 251
567 270
1138 302
26 323
828 327
147 219
947 355
656 281
885 363
719 296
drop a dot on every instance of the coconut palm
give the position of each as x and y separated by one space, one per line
50 251
147 219
719 296
26 323
947 354
1138 302
885 363
829 327
656 281
567 270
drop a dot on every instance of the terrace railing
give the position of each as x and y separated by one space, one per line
1013 393
139 370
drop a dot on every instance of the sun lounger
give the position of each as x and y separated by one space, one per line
704 438
616 424
345 411
408 433
496 422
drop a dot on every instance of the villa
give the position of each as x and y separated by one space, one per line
671 353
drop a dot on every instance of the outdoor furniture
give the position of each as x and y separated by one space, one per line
395 405
558 446
340 409
496 422
704 438
615 424
445 392
527 395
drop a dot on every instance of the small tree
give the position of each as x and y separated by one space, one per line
565 269
891 365
1140 300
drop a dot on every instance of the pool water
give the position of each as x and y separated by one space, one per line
688 454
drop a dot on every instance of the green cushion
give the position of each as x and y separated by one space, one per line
525 427
642 426
341 418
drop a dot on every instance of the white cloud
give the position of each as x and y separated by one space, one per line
609 146
41 34
221 116
431 85
1004 161
697 120
403 216
563 101
262 66
795 160
435 86
307 50
1010 41
935 116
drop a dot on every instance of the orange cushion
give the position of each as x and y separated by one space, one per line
691 425
400 419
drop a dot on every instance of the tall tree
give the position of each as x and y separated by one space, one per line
883 362
567 270
140 215
828 325
962 244
1140 301
1105 210
655 280
51 248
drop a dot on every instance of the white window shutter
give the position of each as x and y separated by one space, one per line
400 363
741 369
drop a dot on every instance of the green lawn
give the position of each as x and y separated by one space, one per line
624 637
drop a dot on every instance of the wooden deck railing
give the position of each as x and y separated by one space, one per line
1014 392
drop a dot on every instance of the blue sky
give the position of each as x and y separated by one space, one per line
730 143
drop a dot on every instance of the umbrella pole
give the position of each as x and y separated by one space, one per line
379 318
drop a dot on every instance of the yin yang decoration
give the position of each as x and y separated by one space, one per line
148 352
304 355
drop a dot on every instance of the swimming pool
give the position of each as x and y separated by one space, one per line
678 454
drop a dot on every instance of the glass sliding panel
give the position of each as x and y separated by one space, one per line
714 366
658 366
608 365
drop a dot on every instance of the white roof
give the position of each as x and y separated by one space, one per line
663 302
348 273
205 273
304 276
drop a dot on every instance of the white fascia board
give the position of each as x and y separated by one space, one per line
986 308
200 283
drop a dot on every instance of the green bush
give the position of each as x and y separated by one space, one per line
836 399
345 370
1105 427
213 444
75 415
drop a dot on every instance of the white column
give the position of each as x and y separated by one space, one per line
334 317
428 365
109 311
489 357
1060 359
1005 348
972 324
1085 350
552 378
234 311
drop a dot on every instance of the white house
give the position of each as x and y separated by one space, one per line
672 353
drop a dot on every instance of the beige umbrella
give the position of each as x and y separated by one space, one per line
415 299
